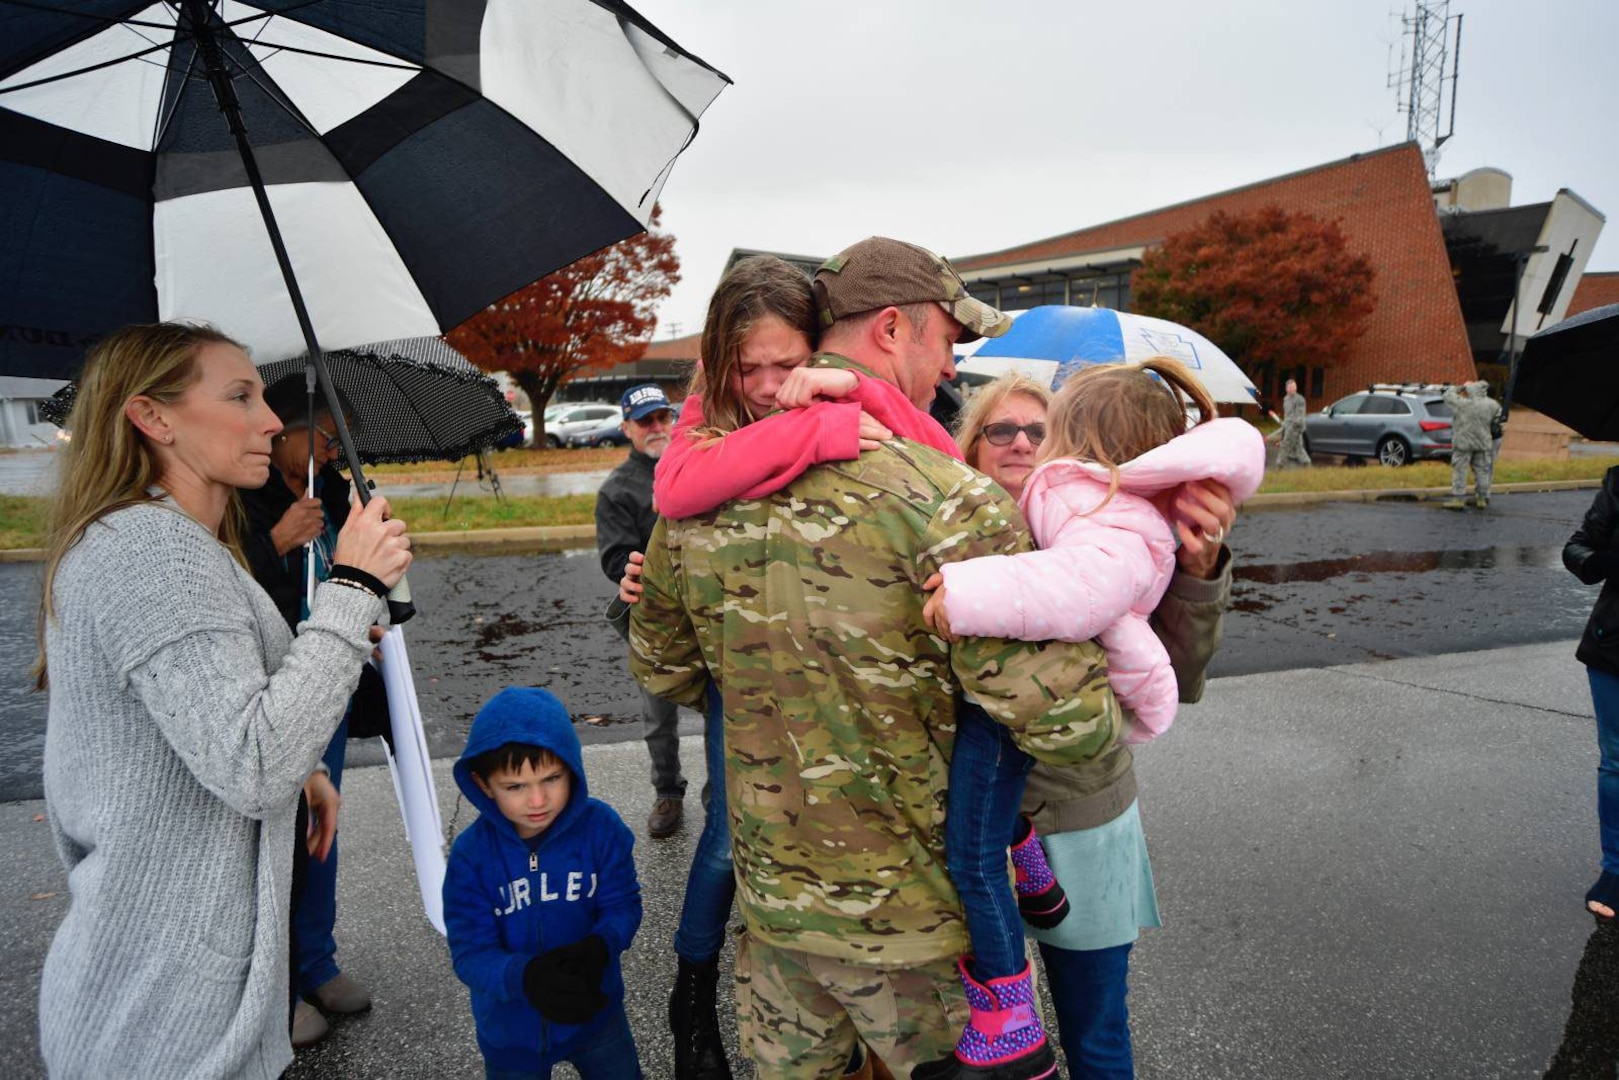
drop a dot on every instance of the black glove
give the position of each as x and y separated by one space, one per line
1602 563
368 709
564 984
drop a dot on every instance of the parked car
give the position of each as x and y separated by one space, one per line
1395 423
580 416
607 433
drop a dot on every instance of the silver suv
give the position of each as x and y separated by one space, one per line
573 419
1397 423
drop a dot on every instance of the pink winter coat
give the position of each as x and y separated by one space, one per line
1101 573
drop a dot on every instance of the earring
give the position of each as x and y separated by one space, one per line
168 439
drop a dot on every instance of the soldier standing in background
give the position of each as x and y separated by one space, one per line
805 606
1291 452
624 521
1472 442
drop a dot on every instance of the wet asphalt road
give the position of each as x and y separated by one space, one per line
1365 872
1327 584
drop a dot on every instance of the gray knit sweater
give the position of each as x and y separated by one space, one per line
183 720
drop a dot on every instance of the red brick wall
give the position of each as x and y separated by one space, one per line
1382 202
1593 291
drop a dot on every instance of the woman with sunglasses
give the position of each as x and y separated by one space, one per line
288 521
1087 816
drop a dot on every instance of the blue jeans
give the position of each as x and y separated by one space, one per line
317 911
1605 699
609 1054
987 774
711 884
1087 990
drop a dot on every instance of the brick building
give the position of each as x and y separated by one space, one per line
1594 291
1389 211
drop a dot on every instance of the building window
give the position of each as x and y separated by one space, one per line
989 294
31 412
1318 382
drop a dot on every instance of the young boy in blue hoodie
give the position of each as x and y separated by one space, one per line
540 897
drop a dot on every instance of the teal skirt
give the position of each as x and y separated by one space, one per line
1108 880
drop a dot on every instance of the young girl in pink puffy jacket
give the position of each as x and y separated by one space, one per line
1116 448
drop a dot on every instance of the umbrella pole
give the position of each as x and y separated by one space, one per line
400 607
309 492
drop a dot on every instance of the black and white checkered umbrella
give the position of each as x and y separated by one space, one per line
412 400
423 158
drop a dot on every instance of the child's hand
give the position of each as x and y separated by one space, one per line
806 385
629 586
872 432
564 984
933 612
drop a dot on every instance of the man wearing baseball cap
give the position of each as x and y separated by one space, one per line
805 607
624 521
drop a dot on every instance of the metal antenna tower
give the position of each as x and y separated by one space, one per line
1419 82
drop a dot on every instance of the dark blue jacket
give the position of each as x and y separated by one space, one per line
500 914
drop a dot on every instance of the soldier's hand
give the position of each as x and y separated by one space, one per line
1203 514
872 432
933 612
629 586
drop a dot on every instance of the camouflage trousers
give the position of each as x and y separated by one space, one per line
1482 462
1291 452
798 1014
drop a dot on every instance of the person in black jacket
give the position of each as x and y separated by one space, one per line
1592 555
624 522
286 521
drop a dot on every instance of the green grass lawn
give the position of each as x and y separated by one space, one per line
22 521
486 512
1428 474
22 517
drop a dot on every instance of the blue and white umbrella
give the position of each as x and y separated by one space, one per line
1050 343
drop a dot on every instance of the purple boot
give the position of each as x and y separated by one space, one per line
1004 1040
1040 897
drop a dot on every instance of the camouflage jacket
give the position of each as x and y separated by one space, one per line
1293 409
839 703
1472 410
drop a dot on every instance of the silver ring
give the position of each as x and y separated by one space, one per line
1216 538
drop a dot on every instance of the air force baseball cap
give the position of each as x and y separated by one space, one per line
642 401
879 272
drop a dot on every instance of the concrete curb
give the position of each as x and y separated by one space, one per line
523 541
1289 499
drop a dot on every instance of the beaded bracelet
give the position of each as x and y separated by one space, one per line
355 578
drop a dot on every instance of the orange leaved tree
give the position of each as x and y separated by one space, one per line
1267 287
591 314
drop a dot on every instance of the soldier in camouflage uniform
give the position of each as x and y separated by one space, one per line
1291 452
806 607
1472 444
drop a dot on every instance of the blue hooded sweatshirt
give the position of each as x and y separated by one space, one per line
506 899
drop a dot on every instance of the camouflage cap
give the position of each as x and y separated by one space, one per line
879 272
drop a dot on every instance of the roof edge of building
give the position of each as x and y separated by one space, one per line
963 261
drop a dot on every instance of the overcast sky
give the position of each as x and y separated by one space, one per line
974 127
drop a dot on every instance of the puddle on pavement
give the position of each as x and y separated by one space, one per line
1404 562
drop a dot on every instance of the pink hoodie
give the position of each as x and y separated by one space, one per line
695 476
1101 572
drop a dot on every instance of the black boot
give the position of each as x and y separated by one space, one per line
699 1053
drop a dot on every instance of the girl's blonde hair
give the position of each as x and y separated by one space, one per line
982 405
1112 413
756 287
108 464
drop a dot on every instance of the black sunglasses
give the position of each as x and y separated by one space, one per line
1004 434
